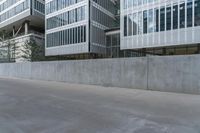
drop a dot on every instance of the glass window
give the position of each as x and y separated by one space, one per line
125 25
150 21
156 20
135 2
135 23
78 35
68 17
162 19
108 40
189 13
139 2
144 2
175 17
84 27
168 10
130 25
144 22
182 15
150 1
130 3
125 4
140 22
75 35
82 34
197 12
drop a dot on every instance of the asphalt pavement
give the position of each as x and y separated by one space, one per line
28 106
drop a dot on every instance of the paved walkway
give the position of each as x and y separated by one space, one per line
48 107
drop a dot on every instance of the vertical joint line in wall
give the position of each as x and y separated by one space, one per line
147 73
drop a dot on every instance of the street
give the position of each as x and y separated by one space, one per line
28 106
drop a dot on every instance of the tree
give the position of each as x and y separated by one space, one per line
7 47
31 51
12 50
3 35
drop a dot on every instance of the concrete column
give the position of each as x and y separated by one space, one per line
3 37
13 31
26 26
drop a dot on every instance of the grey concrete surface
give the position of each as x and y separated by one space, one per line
49 107
175 74
171 74
130 73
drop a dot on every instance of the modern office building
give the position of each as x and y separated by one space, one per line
99 28
78 26
22 20
161 26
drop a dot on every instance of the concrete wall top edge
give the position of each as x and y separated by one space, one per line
114 59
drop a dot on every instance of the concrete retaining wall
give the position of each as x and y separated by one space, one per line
173 74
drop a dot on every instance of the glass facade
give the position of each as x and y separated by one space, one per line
102 17
197 12
7 4
182 15
73 32
134 3
107 4
189 13
113 46
56 5
66 18
65 37
39 6
144 22
69 24
173 16
168 17
156 18
18 8
150 21
14 11
162 19
125 26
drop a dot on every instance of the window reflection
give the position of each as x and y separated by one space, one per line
170 17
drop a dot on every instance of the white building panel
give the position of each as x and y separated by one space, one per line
159 23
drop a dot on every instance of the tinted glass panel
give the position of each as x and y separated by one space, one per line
145 22
162 19
175 16
182 15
